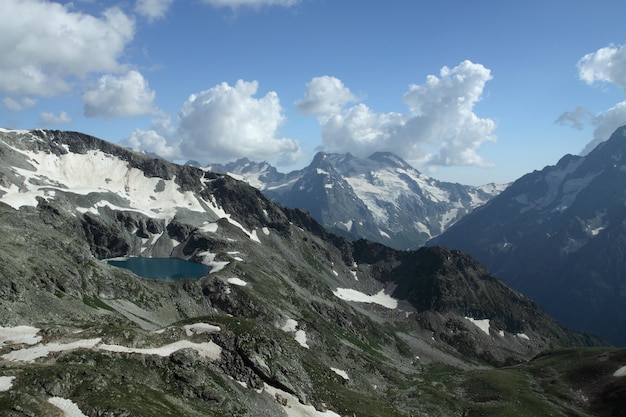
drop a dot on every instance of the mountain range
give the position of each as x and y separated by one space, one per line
558 235
380 198
291 320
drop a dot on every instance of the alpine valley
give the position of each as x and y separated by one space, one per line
380 198
291 320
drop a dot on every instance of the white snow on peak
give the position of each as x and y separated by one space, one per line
380 298
482 324
290 326
102 173
322 172
69 408
98 172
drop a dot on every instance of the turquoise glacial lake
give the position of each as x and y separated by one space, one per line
162 268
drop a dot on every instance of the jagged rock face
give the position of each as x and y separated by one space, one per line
290 315
380 198
558 236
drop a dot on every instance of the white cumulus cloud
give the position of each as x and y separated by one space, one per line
606 65
48 119
155 142
19 104
46 45
226 122
325 95
440 127
153 9
126 96
221 124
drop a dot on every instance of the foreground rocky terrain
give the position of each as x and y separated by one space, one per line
290 320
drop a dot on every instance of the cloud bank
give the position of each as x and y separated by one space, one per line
48 46
606 65
440 127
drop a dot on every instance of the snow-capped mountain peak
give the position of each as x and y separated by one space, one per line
381 198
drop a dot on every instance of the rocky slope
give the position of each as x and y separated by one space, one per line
291 320
380 198
558 235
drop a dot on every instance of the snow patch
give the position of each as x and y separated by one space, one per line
237 281
69 408
266 231
522 336
41 351
19 334
481 324
208 259
6 382
291 326
208 349
208 227
200 328
380 298
341 373
596 231
347 225
620 372
254 237
322 172
301 338
293 407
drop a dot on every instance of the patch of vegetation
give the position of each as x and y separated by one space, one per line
95 302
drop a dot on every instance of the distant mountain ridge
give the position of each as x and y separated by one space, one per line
381 198
559 236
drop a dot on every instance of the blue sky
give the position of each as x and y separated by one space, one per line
466 91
